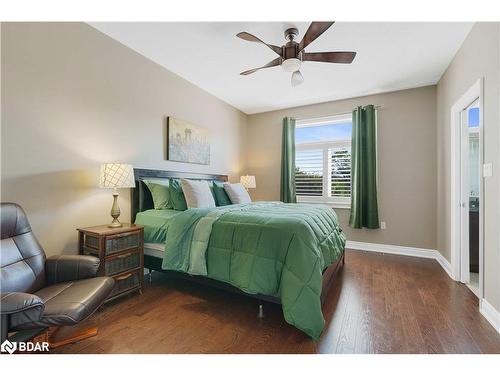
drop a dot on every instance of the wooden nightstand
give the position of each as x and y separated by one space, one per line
121 251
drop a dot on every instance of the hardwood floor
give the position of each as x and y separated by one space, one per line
379 304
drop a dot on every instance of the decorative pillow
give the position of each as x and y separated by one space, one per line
176 195
197 194
221 197
160 192
237 193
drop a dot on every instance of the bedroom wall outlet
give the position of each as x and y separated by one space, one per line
382 225
487 169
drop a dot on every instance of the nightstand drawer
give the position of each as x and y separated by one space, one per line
91 242
125 282
123 262
121 242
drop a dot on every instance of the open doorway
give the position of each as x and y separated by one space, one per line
471 180
467 190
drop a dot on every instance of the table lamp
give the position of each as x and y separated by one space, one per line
116 176
248 182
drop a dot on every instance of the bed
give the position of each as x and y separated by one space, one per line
280 253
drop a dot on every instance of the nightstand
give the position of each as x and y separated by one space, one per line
121 251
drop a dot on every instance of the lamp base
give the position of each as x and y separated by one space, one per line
115 224
115 213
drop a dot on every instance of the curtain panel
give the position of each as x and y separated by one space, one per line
287 187
364 207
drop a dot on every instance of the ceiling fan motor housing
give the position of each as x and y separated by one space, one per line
292 58
291 48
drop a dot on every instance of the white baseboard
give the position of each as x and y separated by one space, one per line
490 313
402 250
444 263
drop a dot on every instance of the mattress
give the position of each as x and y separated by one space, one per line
155 224
154 249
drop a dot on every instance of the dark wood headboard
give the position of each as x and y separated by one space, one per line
141 199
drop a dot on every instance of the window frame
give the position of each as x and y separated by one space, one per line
335 202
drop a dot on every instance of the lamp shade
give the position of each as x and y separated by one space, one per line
116 176
248 182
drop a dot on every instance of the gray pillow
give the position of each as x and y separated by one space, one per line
197 194
237 193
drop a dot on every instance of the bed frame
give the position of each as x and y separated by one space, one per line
142 200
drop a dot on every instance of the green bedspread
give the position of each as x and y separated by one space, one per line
270 248
155 224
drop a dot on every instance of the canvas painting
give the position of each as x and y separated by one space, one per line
187 143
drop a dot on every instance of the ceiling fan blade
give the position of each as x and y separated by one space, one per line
315 30
275 62
252 38
330 57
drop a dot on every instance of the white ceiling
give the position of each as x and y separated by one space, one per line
391 56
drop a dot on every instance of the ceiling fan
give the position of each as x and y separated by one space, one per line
292 54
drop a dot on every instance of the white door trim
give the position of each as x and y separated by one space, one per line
474 92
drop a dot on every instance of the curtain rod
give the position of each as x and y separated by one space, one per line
377 107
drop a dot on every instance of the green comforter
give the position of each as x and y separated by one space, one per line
155 223
269 248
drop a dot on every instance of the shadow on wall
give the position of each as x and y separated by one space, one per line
33 188
58 202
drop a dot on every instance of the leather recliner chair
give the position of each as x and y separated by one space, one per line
38 292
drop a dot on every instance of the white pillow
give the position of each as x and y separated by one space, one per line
197 194
237 193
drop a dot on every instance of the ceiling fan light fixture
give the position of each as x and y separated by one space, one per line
291 65
297 78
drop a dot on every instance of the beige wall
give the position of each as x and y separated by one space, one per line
478 57
407 162
74 98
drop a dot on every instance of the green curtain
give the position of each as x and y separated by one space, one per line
364 209
287 191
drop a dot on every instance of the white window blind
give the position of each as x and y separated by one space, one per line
340 171
309 172
323 167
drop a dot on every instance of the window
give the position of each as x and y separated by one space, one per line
323 160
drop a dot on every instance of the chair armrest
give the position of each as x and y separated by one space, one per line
15 302
61 268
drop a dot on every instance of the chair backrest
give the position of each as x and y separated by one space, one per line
22 259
